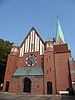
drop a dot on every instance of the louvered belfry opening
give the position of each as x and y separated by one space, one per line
27 85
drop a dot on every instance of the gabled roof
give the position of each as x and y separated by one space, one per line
29 34
28 71
59 33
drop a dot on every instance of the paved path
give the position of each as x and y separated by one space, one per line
8 96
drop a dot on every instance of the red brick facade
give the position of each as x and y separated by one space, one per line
55 62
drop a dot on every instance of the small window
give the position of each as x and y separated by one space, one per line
47 59
50 69
47 45
73 83
37 86
47 71
32 47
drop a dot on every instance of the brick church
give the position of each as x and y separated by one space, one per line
40 67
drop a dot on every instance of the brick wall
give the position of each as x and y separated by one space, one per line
10 68
49 71
62 71
36 84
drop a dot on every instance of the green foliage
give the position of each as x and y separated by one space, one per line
4 51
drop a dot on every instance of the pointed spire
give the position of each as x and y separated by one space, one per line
59 33
48 38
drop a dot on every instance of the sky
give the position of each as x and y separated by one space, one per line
17 17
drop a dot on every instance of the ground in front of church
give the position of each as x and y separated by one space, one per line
9 96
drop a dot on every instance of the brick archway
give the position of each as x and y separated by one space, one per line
7 86
27 85
49 87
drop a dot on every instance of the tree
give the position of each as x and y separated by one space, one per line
5 47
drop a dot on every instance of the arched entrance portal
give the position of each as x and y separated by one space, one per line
49 87
27 85
7 86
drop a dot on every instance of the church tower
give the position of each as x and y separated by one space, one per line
10 68
62 53
49 68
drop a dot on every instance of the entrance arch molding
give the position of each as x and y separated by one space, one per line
27 85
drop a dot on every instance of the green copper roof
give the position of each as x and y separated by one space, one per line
59 32
28 71
48 38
